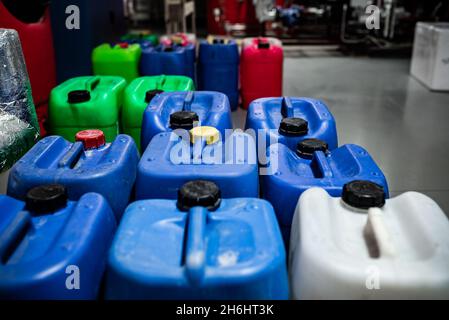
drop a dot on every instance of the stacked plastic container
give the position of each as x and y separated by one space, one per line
300 138
312 164
121 60
168 59
88 165
189 218
334 202
60 215
87 102
218 68
169 111
140 92
229 248
289 120
378 248
188 42
261 69
49 244
232 164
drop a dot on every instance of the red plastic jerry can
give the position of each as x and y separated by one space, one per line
37 46
261 65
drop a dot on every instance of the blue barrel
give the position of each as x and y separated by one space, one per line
290 120
97 25
199 247
52 248
169 60
170 160
183 110
290 173
190 50
218 68
84 166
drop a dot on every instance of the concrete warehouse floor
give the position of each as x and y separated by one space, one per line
403 125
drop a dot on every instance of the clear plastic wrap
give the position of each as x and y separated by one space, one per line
19 128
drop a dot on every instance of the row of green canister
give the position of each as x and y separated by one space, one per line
107 103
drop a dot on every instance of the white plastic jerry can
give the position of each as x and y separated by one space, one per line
361 246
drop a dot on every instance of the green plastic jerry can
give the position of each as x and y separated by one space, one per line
120 60
90 102
140 92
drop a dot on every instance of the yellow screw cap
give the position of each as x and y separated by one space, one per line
210 134
217 40
210 39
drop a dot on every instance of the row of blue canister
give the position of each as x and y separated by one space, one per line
217 69
168 59
186 232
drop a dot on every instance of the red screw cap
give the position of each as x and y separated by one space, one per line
123 45
91 139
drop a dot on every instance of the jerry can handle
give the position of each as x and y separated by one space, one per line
92 83
287 108
322 164
161 82
72 156
188 100
377 236
13 234
263 43
195 253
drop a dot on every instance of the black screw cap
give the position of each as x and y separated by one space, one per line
363 194
293 127
183 120
263 45
150 94
199 193
218 41
168 49
46 198
78 96
307 147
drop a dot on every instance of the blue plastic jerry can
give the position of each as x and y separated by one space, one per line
190 50
169 60
218 68
184 110
88 165
173 158
52 248
290 120
290 173
198 247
